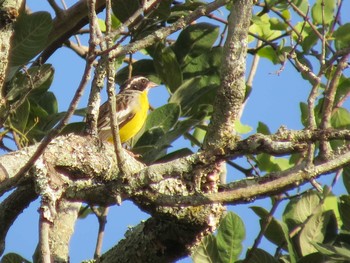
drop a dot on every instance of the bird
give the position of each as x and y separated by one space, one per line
132 107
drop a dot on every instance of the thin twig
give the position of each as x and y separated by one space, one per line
328 104
331 91
99 75
56 8
337 17
336 177
75 36
246 172
312 26
254 66
80 50
44 228
277 12
323 39
111 94
222 36
214 17
102 221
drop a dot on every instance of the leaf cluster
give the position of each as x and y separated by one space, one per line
314 228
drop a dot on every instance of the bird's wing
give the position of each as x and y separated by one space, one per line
127 107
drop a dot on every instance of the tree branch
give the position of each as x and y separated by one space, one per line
248 190
162 33
231 93
86 173
156 240
67 24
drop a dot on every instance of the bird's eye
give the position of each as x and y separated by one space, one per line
143 81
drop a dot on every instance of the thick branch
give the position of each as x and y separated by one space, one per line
62 229
84 159
90 174
248 190
231 93
156 240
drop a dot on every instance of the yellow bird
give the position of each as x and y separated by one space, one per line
132 108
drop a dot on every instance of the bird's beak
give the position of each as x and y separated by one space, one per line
152 85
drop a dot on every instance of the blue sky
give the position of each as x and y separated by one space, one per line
274 101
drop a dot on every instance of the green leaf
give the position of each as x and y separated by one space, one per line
344 210
74 127
208 63
153 148
303 5
163 10
304 113
150 137
340 118
164 117
158 123
274 232
242 128
262 26
47 101
263 128
170 68
312 258
36 80
13 258
314 231
309 41
195 40
199 135
343 88
195 92
101 24
19 119
143 67
308 35
330 203
184 9
346 178
31 31
84 212
334 252
124 9
342 37
298 210
265 163
231 234
115 22
277 24
270 163
269 53
290 246
322 12
261 256
207 251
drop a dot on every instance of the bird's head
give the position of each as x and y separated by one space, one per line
137 83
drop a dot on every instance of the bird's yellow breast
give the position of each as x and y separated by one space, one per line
133 126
